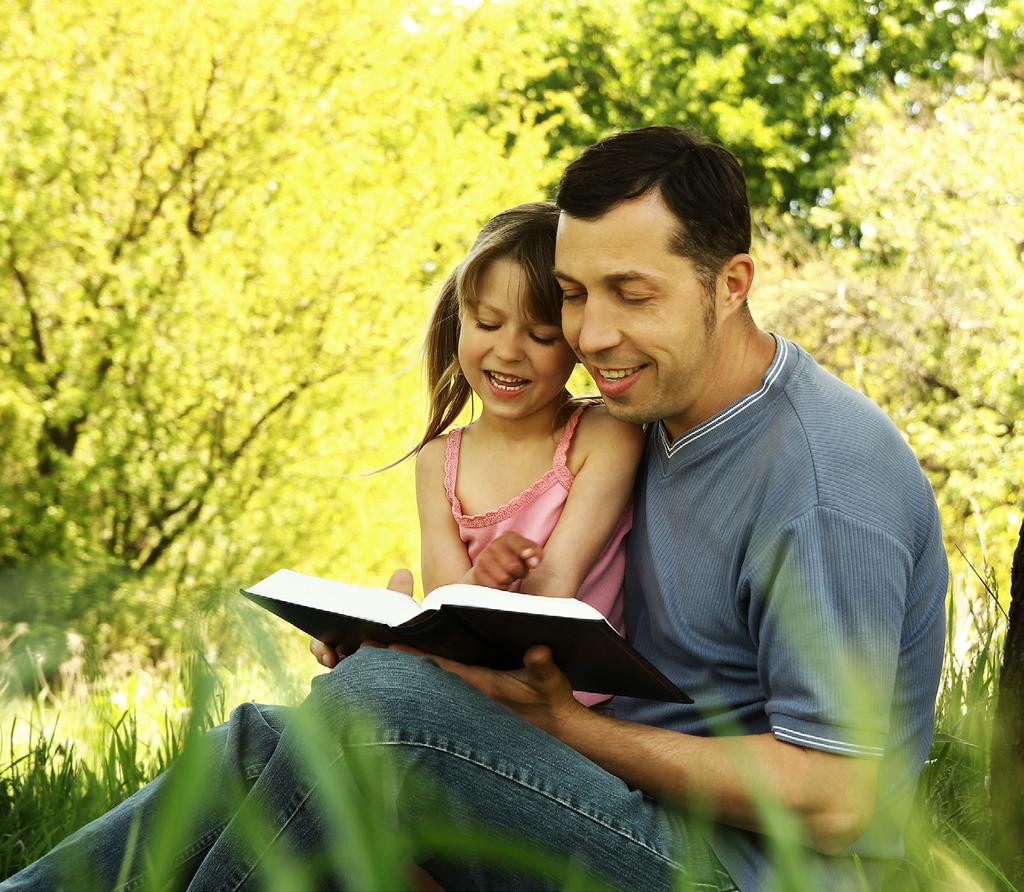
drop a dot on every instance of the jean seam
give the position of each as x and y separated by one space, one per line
590 817
205 840
259 711
281 829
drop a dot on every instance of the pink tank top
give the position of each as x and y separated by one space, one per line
534 513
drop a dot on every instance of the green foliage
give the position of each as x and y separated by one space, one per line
777 81
50 790
951 833
218 236
51 787
220 230
41 609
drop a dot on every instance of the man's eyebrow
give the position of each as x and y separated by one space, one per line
629 275
558 274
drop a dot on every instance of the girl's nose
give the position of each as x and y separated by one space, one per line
509 346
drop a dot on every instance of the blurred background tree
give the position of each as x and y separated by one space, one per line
777 81
918 301
220 229
219 233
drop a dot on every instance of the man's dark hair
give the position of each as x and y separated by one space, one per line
702 184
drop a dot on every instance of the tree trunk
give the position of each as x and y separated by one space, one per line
1008 736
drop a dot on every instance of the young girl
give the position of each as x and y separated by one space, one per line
534 495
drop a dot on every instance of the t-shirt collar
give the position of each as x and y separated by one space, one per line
730 415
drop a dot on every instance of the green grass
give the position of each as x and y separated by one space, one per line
49 791
67 758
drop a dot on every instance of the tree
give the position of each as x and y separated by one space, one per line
777 81
219 232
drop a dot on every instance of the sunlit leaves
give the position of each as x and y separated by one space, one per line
778 81
221 228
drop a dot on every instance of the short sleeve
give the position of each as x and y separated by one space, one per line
827 597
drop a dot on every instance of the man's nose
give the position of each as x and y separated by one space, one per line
598 329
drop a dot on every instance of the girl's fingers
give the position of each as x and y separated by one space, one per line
325 656
508 558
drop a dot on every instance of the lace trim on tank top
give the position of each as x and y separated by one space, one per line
558 472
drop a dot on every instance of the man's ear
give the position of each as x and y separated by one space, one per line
734 281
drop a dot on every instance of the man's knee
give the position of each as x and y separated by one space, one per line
386 686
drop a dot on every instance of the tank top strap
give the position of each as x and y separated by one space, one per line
562 450
453 444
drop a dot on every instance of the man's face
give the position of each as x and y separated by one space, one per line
638 315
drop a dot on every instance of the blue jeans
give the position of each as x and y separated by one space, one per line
452 755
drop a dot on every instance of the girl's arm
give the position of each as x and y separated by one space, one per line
443 553
604 456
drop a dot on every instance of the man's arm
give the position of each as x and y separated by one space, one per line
832 795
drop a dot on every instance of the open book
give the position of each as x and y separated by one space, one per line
471 624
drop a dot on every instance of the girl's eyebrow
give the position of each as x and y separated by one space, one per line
482 304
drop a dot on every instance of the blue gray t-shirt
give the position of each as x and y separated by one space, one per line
786 569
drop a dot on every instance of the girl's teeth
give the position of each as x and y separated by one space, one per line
506 382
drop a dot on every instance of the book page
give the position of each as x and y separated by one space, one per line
495 599
377 604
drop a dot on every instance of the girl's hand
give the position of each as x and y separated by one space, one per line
505 560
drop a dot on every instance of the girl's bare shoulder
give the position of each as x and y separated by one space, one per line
597 423
431 456
599 433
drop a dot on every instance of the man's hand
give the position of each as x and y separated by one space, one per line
505 560
538 693
400 581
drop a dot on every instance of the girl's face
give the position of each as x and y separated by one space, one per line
516 366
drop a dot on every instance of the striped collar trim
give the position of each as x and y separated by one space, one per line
782 350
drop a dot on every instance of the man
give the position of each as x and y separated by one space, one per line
785 568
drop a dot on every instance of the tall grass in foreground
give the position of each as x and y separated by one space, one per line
355 795
951 834
50 790
50 786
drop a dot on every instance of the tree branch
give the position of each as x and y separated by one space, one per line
38 348
196 499
953 393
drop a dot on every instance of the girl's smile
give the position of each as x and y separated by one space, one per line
506 386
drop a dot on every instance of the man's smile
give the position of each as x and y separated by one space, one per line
616 374
615 381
